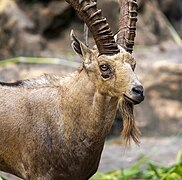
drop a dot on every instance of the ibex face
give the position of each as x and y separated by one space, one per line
112 75
117 77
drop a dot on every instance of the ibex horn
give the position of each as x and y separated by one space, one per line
127 24
97 24
86 35
86 31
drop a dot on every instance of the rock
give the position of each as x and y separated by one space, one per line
111 15
16 36
152 27
50 22
48 18
173 10
10 9
160 113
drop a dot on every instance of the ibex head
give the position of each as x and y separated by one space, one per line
111 66
112 75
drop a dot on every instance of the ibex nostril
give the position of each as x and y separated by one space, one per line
138 90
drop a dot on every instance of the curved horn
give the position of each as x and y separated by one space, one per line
127 24
97 24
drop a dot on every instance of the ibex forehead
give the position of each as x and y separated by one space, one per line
124 57
127 57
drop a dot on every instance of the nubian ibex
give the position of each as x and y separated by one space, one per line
53 128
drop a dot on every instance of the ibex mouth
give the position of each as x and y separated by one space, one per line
133 101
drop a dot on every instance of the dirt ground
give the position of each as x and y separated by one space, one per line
160 150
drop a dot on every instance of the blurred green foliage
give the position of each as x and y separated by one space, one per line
3 178
145 169
38 60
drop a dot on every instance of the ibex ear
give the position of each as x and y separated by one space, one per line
80 48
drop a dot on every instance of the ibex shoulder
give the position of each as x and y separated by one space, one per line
45 80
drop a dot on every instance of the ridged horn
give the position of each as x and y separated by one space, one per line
104 38
127 24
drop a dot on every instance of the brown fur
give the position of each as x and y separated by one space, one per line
130 130
54 128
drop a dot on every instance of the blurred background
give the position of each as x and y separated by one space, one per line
41 28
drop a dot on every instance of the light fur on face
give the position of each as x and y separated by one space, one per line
130 130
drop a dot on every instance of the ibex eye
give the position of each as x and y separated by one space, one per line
104 67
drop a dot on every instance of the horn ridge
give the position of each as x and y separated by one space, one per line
98 21
87 9
127 24
88 6
95 14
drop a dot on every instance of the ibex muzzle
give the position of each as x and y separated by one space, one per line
53 128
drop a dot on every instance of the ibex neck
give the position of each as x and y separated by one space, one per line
92 113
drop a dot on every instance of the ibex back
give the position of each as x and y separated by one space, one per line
54 128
